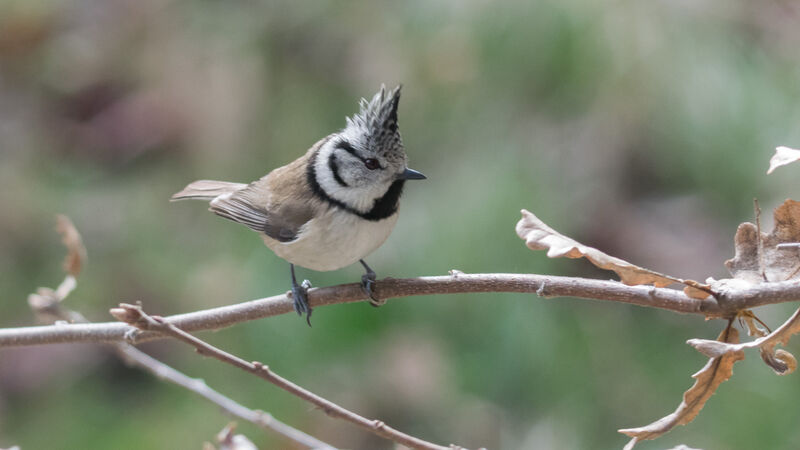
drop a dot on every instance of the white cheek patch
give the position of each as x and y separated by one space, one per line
360 198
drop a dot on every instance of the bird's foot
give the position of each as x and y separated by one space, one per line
368 286
300 297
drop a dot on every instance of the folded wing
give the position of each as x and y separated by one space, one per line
252 207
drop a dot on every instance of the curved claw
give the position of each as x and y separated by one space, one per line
368 285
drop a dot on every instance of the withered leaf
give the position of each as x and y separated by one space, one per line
781 361
782 157
773 264
539 236
45 298
708 379
76 252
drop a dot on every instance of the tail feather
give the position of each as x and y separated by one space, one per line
207 190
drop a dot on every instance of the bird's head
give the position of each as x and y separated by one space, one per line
359 164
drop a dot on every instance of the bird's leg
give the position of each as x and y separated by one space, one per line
368 284
300 297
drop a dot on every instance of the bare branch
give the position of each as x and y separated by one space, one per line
49 305
260 418
459 283
159 325
136 357
728 302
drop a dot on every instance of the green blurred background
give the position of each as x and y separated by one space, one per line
641 128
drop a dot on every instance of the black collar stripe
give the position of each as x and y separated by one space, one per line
383 207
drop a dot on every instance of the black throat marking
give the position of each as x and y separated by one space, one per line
383 207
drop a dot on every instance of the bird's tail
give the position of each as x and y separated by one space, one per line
207 190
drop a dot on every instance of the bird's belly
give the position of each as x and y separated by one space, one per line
333 241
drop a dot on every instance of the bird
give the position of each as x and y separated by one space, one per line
331 207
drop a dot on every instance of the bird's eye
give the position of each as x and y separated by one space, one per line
371 163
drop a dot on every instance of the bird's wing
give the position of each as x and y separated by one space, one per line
278 204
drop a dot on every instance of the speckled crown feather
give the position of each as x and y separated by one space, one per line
378 117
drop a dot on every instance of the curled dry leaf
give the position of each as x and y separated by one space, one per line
76 252
716 371
44 298
539 236
782 157
773 264
781 361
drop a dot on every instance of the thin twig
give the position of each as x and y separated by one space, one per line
225 316
134 315
48 305
134 356
260 418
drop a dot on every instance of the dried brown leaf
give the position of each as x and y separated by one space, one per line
45 298
771 262
782 157
539 236
716 371
781 361
76 252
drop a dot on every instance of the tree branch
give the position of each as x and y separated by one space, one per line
261 419
48 305
136 316
52 307
727 302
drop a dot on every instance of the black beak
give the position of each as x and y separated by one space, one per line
411 174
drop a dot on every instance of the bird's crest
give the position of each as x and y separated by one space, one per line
378 118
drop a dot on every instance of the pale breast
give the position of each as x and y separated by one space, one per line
333 240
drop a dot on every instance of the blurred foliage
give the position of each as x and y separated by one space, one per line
640 128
